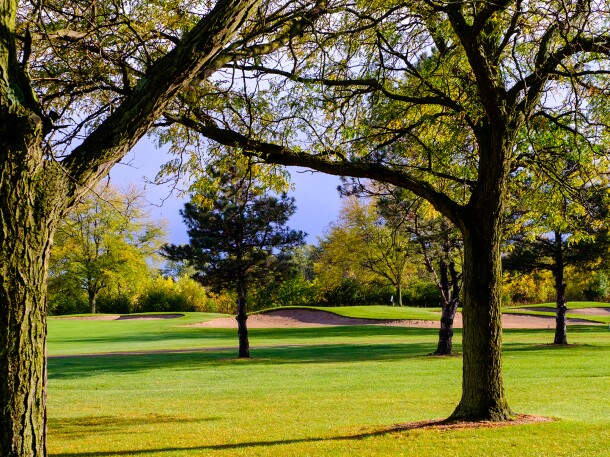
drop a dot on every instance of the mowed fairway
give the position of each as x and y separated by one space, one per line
311 392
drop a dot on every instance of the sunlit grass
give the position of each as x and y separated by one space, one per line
541 309
316 392
375 312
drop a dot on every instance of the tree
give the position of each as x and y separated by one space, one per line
555 234
439 244
233 242
421 228
363 241
80 84
106 240
434 97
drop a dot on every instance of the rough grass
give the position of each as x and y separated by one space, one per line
335 392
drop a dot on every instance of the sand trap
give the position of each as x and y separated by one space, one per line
119 317
314 318
590 311
583 311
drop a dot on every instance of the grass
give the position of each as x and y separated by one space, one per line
375 312
540 309
334 392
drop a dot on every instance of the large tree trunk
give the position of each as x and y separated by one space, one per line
482 389
27 220
561 334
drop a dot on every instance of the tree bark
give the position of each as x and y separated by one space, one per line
399 293
482 389
92 301
561 334
242 328
29 210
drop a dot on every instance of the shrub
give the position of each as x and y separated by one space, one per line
165 294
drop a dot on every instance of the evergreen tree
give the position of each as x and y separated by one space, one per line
234 241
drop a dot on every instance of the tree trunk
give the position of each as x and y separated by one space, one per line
482 389
92 301
27 220
449 304
561 334
242 329
399 293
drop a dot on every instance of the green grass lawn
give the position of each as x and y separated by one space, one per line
572 312
376 312
311 392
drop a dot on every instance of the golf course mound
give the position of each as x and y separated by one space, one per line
291 317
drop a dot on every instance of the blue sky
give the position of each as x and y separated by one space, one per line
315 194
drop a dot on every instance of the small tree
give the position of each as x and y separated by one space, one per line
234 240
106 241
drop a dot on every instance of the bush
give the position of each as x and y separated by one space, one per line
599 287
423 294
352 292
68 303
120 304
165 294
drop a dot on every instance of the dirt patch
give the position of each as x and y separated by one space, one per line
584 311
315 318
118 317
591 311
148 317
444 424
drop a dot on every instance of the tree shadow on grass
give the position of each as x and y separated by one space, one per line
81 427
439 424
82 367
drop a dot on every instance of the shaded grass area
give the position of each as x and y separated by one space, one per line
337 393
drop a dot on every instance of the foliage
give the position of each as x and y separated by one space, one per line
166 294
232 242
106 245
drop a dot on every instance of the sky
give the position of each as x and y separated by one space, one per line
316 197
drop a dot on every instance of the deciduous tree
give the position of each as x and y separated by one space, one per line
434 97
106 240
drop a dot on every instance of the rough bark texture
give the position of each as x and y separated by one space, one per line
561 334
27 218
482 389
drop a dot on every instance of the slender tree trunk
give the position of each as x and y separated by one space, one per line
482 389
27 220
399 293
449 304
242 329
561 334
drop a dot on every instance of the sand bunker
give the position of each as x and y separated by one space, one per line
315 318
119 317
